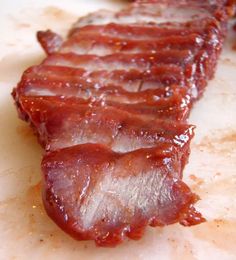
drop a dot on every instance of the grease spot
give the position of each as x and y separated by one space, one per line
228 61
56 14
226 186
197 181
221 233
230 137
218 143
181 251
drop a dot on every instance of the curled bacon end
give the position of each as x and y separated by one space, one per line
50 41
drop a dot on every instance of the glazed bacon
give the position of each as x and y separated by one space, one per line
114 195
60 80
77 121
109 105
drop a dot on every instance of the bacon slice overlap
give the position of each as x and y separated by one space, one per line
109 105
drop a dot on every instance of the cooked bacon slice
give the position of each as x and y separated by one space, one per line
161 11
67 122
213 32
68 81
94 193
174 107
105 45
124 61
147 31
145 14
151 65
141 72
204 60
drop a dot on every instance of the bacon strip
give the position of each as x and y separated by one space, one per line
112 194
105 45
144 31
77 121
74 79
109 106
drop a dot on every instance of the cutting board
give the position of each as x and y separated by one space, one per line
25 230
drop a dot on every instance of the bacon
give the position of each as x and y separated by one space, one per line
165 11
144 14
147 31
109 106
63 123
94 193
69 81
105 45
174 107
142 61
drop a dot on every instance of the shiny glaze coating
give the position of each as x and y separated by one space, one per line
110 105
